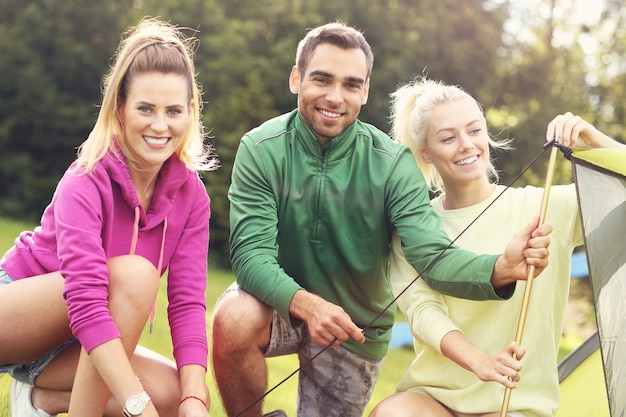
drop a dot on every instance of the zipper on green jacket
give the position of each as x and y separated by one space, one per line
324 150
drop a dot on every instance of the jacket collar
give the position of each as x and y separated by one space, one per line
335 148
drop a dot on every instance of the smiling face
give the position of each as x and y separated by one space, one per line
332 89
154 118
457 143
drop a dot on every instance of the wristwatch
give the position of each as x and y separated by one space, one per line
136 404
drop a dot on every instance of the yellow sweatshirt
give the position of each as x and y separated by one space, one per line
491 325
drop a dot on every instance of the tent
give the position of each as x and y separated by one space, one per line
600 176
581 379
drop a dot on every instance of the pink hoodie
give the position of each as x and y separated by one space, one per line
94 217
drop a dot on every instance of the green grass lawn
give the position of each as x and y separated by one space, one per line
283 397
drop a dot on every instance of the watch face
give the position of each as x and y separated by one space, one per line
135 405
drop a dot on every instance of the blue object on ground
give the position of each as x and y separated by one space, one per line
579 265
400 335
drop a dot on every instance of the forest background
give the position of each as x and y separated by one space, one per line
525 62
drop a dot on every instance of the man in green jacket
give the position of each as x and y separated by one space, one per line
315 196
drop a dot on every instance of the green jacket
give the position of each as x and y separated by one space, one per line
320 218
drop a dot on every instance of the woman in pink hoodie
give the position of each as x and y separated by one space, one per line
76 292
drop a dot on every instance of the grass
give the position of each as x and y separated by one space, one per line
283 397
394 364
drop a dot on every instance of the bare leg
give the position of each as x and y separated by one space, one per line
241 331
39 321
53 386
133 285
493 415
157 374
410 404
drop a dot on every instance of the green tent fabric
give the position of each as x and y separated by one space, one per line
600 176
613 160
582 386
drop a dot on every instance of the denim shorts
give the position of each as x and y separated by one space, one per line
27 372
333 382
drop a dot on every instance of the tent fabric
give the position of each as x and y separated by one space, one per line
611 159
600 176
577 356
582 386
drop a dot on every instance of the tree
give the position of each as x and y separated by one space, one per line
543 69
52 63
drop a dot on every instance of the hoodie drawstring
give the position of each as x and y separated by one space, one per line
133 247
133 243
154 306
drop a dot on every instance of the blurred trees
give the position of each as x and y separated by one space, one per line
53 54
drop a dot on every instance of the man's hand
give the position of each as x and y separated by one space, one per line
528 247
326 321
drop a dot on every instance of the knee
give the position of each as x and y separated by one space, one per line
379 410
397 405
133 277
382 410
240 321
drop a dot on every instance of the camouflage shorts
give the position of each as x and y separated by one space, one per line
337 383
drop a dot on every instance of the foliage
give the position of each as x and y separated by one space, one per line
52 57
53 54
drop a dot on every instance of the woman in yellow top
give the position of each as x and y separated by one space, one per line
464 353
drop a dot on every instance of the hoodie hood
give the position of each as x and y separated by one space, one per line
172 176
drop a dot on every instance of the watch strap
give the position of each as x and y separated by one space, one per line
143 396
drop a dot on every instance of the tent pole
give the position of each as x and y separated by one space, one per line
531 272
